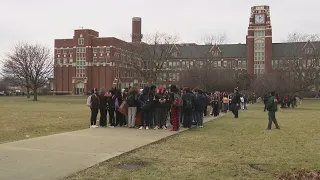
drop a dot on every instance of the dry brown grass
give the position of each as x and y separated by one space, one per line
226 149
22 118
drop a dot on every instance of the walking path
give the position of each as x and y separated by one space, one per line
56 156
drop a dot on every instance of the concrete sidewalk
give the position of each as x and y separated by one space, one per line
56 156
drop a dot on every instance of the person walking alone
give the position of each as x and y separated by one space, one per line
272 107
235 102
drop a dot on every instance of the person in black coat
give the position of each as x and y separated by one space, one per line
146 108
234 103
111 107
103 108
119 116
200 104
188 107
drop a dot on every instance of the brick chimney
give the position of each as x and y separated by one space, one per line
136 30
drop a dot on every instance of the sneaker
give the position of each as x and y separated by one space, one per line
141 127
156 128
94 126
164 127
147 128
201 126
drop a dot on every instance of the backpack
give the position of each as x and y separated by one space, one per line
89 101
188 104
178 102
132 100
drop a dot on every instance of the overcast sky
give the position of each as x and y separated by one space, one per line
42 21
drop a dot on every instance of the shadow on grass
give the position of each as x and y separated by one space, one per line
300 109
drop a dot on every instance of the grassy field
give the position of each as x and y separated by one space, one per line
22 118
226 149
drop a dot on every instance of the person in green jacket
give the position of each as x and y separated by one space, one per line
272 107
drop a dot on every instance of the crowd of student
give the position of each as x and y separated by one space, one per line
152 107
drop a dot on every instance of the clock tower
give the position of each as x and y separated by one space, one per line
259 41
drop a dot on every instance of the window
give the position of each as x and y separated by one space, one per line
81 50
215 53
81 41
244 64
219 63
164 65
170 64
160 76
80 62
95 50
183 64
174 76
275 64
164 76
187 64
239 64
191 63
101 50
174 54
95 60
101 59
58 61
259 68
201 64
178 77
215 64
228 64
107 59
225 64
65 51
259 50
170 76
70 60
178 64
71 50
64 60
108 49
259 33
308 50
174 64
58 51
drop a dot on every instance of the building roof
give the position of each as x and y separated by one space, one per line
291 48
240 50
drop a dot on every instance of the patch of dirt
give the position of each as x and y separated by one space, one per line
131 165
302 174
259 167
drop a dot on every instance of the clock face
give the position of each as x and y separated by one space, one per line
259 18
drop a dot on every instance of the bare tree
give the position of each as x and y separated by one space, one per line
301 37
147 60
298 71
209 78
29 66
3 85
212 39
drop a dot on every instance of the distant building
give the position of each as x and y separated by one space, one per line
86 60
